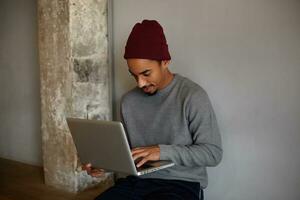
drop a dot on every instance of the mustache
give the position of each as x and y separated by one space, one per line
149 94
146 86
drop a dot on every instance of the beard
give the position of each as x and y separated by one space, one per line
149 93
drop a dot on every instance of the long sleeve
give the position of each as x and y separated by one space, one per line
206 148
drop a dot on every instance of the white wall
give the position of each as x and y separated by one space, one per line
246 54
20 137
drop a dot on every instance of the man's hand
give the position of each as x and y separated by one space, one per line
151 153
92 171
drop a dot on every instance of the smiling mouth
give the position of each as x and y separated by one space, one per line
147 90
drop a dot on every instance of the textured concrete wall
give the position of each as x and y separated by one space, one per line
74 83
88 36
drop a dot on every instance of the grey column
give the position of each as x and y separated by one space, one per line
75 82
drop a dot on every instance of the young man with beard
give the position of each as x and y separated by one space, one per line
166 117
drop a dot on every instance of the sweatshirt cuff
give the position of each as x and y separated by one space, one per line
165 152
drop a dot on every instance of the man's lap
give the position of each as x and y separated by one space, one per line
135 188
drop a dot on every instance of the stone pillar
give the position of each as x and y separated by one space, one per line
75 82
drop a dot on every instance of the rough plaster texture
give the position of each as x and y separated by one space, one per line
74 83
89 46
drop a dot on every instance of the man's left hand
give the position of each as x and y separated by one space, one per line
151 153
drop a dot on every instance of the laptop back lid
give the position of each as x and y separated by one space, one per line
103 144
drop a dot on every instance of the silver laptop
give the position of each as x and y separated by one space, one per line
104 144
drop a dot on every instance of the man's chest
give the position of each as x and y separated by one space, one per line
151 124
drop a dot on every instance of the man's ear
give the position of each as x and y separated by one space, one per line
165 63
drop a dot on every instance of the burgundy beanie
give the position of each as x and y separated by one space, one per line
147 41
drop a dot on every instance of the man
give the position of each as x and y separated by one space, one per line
167 117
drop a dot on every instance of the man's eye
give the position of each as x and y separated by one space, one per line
132 75
147 74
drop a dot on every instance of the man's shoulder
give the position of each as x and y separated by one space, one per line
189 87
194 96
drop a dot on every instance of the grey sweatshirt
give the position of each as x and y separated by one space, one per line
181 120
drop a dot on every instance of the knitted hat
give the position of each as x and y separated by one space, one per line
147 41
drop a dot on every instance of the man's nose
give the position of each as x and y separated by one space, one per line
141 82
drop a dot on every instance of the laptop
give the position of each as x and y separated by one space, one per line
104 145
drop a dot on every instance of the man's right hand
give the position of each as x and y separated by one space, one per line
92 171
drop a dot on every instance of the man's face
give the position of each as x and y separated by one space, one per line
150 75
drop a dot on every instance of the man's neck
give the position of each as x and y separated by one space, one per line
168 80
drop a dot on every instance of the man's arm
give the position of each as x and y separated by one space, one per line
206 149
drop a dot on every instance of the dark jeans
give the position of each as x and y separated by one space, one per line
135 188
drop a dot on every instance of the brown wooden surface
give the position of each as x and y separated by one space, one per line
21 181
